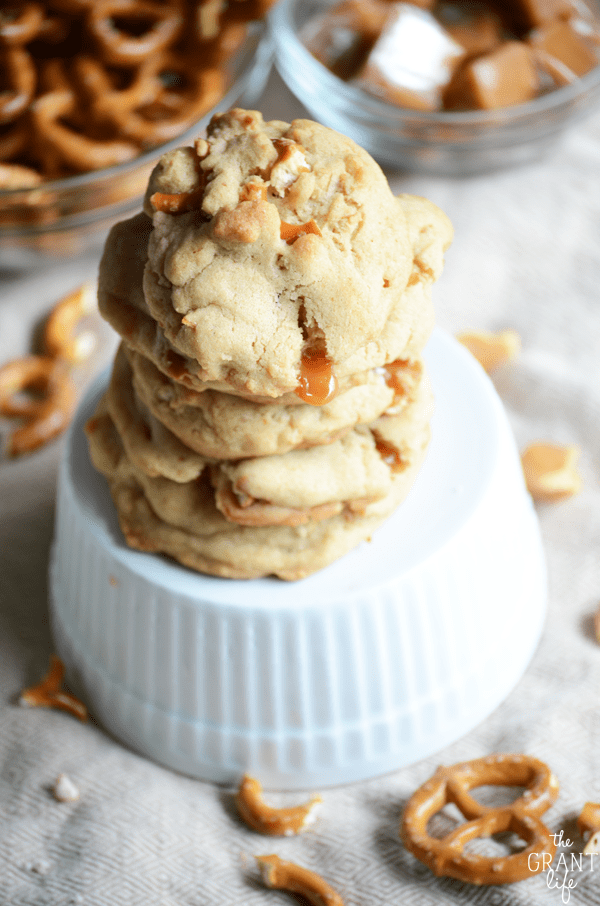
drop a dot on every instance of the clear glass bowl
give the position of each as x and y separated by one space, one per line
440 143
67 217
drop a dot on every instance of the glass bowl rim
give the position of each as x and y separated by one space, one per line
286 40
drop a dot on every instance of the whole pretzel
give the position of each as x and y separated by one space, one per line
76 150
453 784
173 110
20 72
23 27
117 47
109 103
45 417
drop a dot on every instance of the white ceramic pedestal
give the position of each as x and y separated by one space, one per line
381 659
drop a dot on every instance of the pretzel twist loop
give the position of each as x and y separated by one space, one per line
446 856
192 92
23 27
45 417
21 77
77 150
119 48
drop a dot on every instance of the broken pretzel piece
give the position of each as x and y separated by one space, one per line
289 876
588 824
48 693
550 471
273 821
60 333
178 203
491 349
289 232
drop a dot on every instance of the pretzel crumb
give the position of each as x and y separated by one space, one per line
64 789
48 693
550 471
491 349
260 817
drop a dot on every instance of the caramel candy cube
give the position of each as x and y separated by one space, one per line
342 37
561 42
412 60
475 27
504 77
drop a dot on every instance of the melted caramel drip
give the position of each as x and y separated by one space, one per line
317 384
176 365
390 455
291 231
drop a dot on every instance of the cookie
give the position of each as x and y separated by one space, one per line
190 529
122 303
284 489
147 442
294 247
223 426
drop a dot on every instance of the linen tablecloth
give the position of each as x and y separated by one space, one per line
526 256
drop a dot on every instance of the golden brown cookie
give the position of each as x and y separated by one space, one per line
225 426
296 244
191 529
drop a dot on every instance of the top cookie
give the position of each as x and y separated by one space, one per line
274 243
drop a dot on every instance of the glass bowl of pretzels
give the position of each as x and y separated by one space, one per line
94 92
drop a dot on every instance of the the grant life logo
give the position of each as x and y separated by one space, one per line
562 875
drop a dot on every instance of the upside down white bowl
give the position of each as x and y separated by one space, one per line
379 660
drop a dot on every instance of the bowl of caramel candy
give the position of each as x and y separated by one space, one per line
94 92
448 87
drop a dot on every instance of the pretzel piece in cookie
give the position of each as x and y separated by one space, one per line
447 856
272 821
289 876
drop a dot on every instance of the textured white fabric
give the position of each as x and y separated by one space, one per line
526 256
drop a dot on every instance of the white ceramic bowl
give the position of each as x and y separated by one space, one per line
381 659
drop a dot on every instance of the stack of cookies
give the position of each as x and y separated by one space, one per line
268 406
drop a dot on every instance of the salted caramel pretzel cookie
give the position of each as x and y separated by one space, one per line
182 521
148 443
122 303
223 426
275 245
286 489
